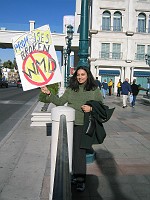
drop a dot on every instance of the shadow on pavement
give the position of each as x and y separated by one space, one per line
108 167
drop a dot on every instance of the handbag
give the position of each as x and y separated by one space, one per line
91 126
130 98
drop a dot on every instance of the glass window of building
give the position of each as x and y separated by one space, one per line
117 21
140 52
106 21
149 24
105 50
116 51
142 23
148 49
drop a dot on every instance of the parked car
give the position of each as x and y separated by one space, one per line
19 84
3 83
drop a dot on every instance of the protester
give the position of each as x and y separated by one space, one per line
110 85
126 89
119 87
82 88
98 83
104 88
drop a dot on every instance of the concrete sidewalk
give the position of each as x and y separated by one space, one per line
121 170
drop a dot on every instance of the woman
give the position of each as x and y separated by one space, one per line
119 88
82 88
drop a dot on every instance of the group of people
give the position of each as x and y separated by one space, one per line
132 90
123 88
105 86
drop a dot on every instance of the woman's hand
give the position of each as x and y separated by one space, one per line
45 90
86 108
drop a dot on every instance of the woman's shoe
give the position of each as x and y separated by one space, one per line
80 186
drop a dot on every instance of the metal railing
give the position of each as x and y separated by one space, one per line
112 28
62 179
110 55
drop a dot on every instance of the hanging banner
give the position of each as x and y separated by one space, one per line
36 58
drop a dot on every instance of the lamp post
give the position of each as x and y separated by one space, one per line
68 38
65 64
84 33
147 59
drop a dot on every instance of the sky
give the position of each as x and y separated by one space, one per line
16 14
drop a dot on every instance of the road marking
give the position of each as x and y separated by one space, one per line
11 102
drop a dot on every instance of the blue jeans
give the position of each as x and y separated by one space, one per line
134 99
104 92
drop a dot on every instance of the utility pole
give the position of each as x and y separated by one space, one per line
84 33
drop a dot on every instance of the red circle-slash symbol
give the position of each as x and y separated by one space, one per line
28 72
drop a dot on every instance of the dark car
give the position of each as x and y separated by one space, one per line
3 83
19 84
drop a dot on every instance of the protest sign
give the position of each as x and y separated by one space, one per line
36 58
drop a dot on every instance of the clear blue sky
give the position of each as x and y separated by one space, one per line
18 13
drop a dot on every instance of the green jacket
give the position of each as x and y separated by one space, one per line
74 100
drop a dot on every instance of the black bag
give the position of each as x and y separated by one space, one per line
91 126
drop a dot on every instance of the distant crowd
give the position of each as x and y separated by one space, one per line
123 88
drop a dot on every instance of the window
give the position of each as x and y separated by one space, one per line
106 21
142 23
116 51
148 49
149 24
105 50
117 21
140 52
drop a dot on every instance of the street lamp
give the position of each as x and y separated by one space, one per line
147 59
65 64
68 38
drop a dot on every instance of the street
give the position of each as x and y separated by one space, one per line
14 102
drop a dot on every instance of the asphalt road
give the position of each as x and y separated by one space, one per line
14 102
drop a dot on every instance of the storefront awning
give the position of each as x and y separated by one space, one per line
109 72
141 73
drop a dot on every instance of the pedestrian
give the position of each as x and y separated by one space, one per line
126 89
104 88
119 87
82 88
135 91
110 85
98 83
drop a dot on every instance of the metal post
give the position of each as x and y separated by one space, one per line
68 43
65 65
84 33
68 64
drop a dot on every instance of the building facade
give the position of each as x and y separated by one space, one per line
119 38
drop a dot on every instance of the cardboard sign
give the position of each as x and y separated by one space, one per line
36 58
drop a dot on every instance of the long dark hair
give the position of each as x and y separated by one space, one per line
90 83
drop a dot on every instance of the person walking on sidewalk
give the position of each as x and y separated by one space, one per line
126 89
98 83
82 88
119 87
110 85
135 90
104 88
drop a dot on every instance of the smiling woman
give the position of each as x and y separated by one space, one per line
82 88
